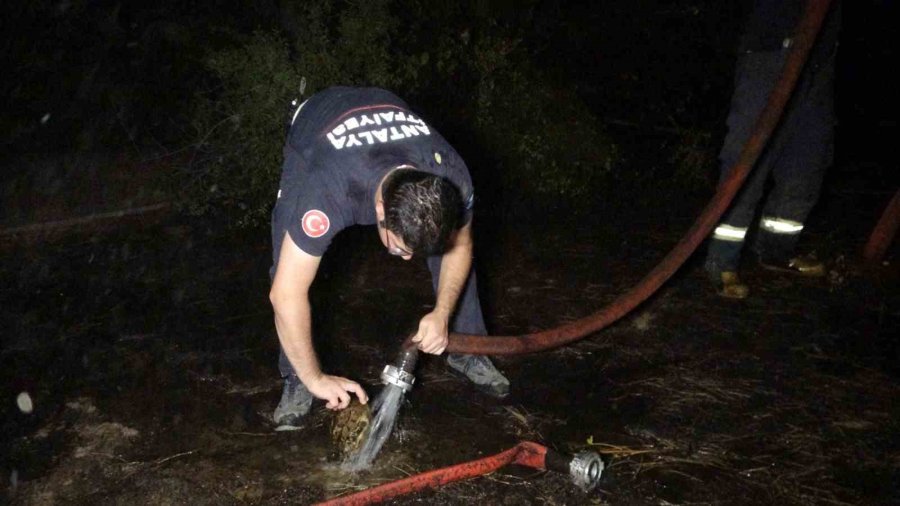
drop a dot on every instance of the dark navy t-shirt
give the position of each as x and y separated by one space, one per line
342 142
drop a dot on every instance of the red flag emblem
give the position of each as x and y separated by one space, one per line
315 223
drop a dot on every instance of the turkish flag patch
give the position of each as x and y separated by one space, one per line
315 223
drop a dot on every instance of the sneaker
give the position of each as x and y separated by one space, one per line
295 403
729 285
805 265
480 371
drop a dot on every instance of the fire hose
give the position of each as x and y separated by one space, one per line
884 232
585 469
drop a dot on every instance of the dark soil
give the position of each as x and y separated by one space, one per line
149 354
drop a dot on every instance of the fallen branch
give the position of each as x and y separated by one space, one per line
159 462
81 220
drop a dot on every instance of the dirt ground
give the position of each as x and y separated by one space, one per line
138 366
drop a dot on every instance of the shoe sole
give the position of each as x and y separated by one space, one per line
731 296
796 272
288 428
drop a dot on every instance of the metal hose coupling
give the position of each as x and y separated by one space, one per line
586 468
401 374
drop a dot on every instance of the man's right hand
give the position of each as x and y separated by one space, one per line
336 391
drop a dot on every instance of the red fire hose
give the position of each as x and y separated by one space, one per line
525 453
884 232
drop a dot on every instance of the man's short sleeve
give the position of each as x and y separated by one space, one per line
449 164
311 230
311 218
468 209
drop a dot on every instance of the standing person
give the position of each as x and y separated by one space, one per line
358 156
796 156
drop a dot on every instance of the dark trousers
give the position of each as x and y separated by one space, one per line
467 319
796 156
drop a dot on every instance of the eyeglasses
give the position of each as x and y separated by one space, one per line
392 249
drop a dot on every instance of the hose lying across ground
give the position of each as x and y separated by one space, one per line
525 453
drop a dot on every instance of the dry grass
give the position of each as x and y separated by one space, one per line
780 443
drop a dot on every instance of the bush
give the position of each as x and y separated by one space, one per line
241 123
241 130
545 143
549 146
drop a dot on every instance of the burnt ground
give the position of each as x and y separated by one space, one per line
149 353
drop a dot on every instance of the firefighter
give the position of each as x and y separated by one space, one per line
796 157
359 156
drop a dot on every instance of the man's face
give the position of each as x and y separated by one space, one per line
392 242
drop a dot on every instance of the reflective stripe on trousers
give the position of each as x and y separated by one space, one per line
780 225
725 232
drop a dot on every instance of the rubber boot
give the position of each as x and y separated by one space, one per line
729 285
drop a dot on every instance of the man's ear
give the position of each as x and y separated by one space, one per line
379 210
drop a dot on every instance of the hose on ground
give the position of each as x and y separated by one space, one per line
526 453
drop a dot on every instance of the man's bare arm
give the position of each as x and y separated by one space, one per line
455 266
289 295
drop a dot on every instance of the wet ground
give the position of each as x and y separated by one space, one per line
149 355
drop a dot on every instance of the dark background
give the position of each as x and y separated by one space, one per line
146 341
122 76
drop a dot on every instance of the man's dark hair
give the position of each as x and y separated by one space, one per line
422 208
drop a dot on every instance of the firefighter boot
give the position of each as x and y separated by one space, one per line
729 285
804 265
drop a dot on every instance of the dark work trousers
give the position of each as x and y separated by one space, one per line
467 319
796 156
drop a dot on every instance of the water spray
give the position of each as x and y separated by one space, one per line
398 379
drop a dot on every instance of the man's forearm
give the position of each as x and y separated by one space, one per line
293 324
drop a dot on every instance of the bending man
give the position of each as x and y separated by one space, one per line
358 156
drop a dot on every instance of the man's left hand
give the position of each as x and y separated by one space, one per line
432 335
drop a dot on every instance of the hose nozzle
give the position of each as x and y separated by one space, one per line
401 374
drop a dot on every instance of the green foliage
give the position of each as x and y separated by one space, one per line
544 142
550 146
241 124
241 129
347 45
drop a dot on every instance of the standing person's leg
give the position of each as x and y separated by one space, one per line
798 173
755 77
468 319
